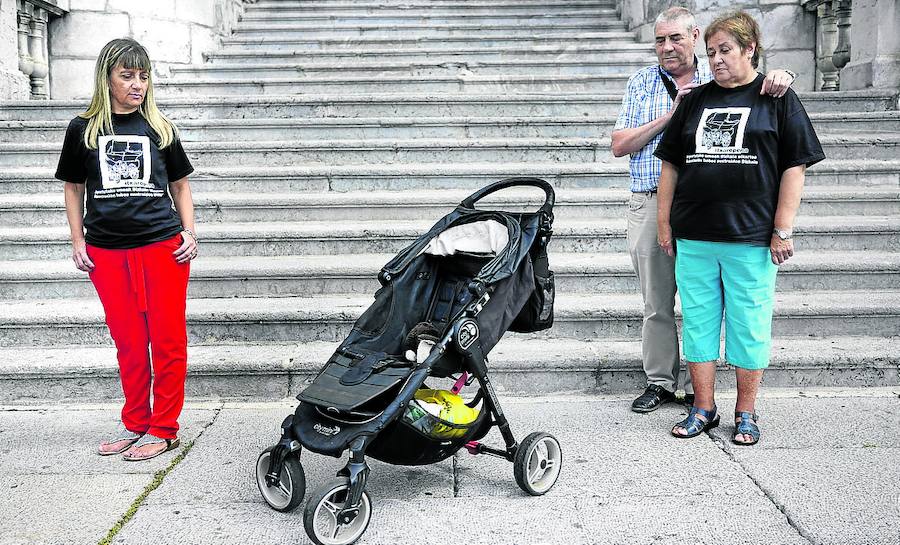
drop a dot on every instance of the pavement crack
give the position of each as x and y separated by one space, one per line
802 532
158 479
455 466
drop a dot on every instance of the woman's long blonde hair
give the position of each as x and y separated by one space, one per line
130 54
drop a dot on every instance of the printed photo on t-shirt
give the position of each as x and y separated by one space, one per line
721 130
124 161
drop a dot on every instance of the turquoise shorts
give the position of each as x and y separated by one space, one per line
730 278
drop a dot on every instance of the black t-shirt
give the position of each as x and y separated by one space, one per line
127 176
731 147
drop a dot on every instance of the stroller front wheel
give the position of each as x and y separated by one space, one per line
291 488
330 521
537 463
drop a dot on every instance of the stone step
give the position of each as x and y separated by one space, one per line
394 104
872 146
195 130
477 53
571 203
322 5
252 129
48 209
439 176
342 178
346 10
450 43
858 172
285 153
876 233
280 276
401 177
300 72
59 322
837 122
528 366
425 29
433 17
342 106
461 83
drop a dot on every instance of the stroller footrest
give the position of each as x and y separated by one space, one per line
348 383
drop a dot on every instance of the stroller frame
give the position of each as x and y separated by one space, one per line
462 338
356 468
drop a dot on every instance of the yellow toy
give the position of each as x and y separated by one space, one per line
449 409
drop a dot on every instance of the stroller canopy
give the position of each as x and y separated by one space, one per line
472 232
483 238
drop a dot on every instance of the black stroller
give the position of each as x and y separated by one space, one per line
444 303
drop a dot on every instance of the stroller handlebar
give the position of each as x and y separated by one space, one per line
549 201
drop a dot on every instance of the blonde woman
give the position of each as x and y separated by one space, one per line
122 158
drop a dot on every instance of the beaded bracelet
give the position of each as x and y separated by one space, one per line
193 236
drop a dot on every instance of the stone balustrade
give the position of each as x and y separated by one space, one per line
832 40
32 17
44 36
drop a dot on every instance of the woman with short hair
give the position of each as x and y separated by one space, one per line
734 162
123 159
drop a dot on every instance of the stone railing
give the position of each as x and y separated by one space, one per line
33 16
832 40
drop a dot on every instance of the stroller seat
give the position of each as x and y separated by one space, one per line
357 382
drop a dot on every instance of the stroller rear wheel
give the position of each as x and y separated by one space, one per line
537 463
291 488
327 519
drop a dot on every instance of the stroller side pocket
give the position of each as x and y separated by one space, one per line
537 313
545 289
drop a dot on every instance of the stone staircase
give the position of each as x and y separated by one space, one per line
328 134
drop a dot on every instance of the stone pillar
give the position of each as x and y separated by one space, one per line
175 32
788 30
13 83
875 46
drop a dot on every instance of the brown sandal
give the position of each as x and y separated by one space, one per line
134 455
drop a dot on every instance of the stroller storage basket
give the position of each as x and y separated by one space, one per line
402 443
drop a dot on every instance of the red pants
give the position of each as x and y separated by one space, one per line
144 292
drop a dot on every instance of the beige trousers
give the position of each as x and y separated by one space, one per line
656 274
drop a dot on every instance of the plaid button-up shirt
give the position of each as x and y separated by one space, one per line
646 99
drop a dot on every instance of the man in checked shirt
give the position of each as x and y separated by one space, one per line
651 97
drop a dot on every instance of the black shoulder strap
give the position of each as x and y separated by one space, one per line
670 87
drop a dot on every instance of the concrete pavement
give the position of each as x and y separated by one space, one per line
827 471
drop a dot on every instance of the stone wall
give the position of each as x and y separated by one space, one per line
173 31
788 30
13 83
875 46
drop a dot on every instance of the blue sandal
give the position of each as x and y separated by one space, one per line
747 426
694 425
